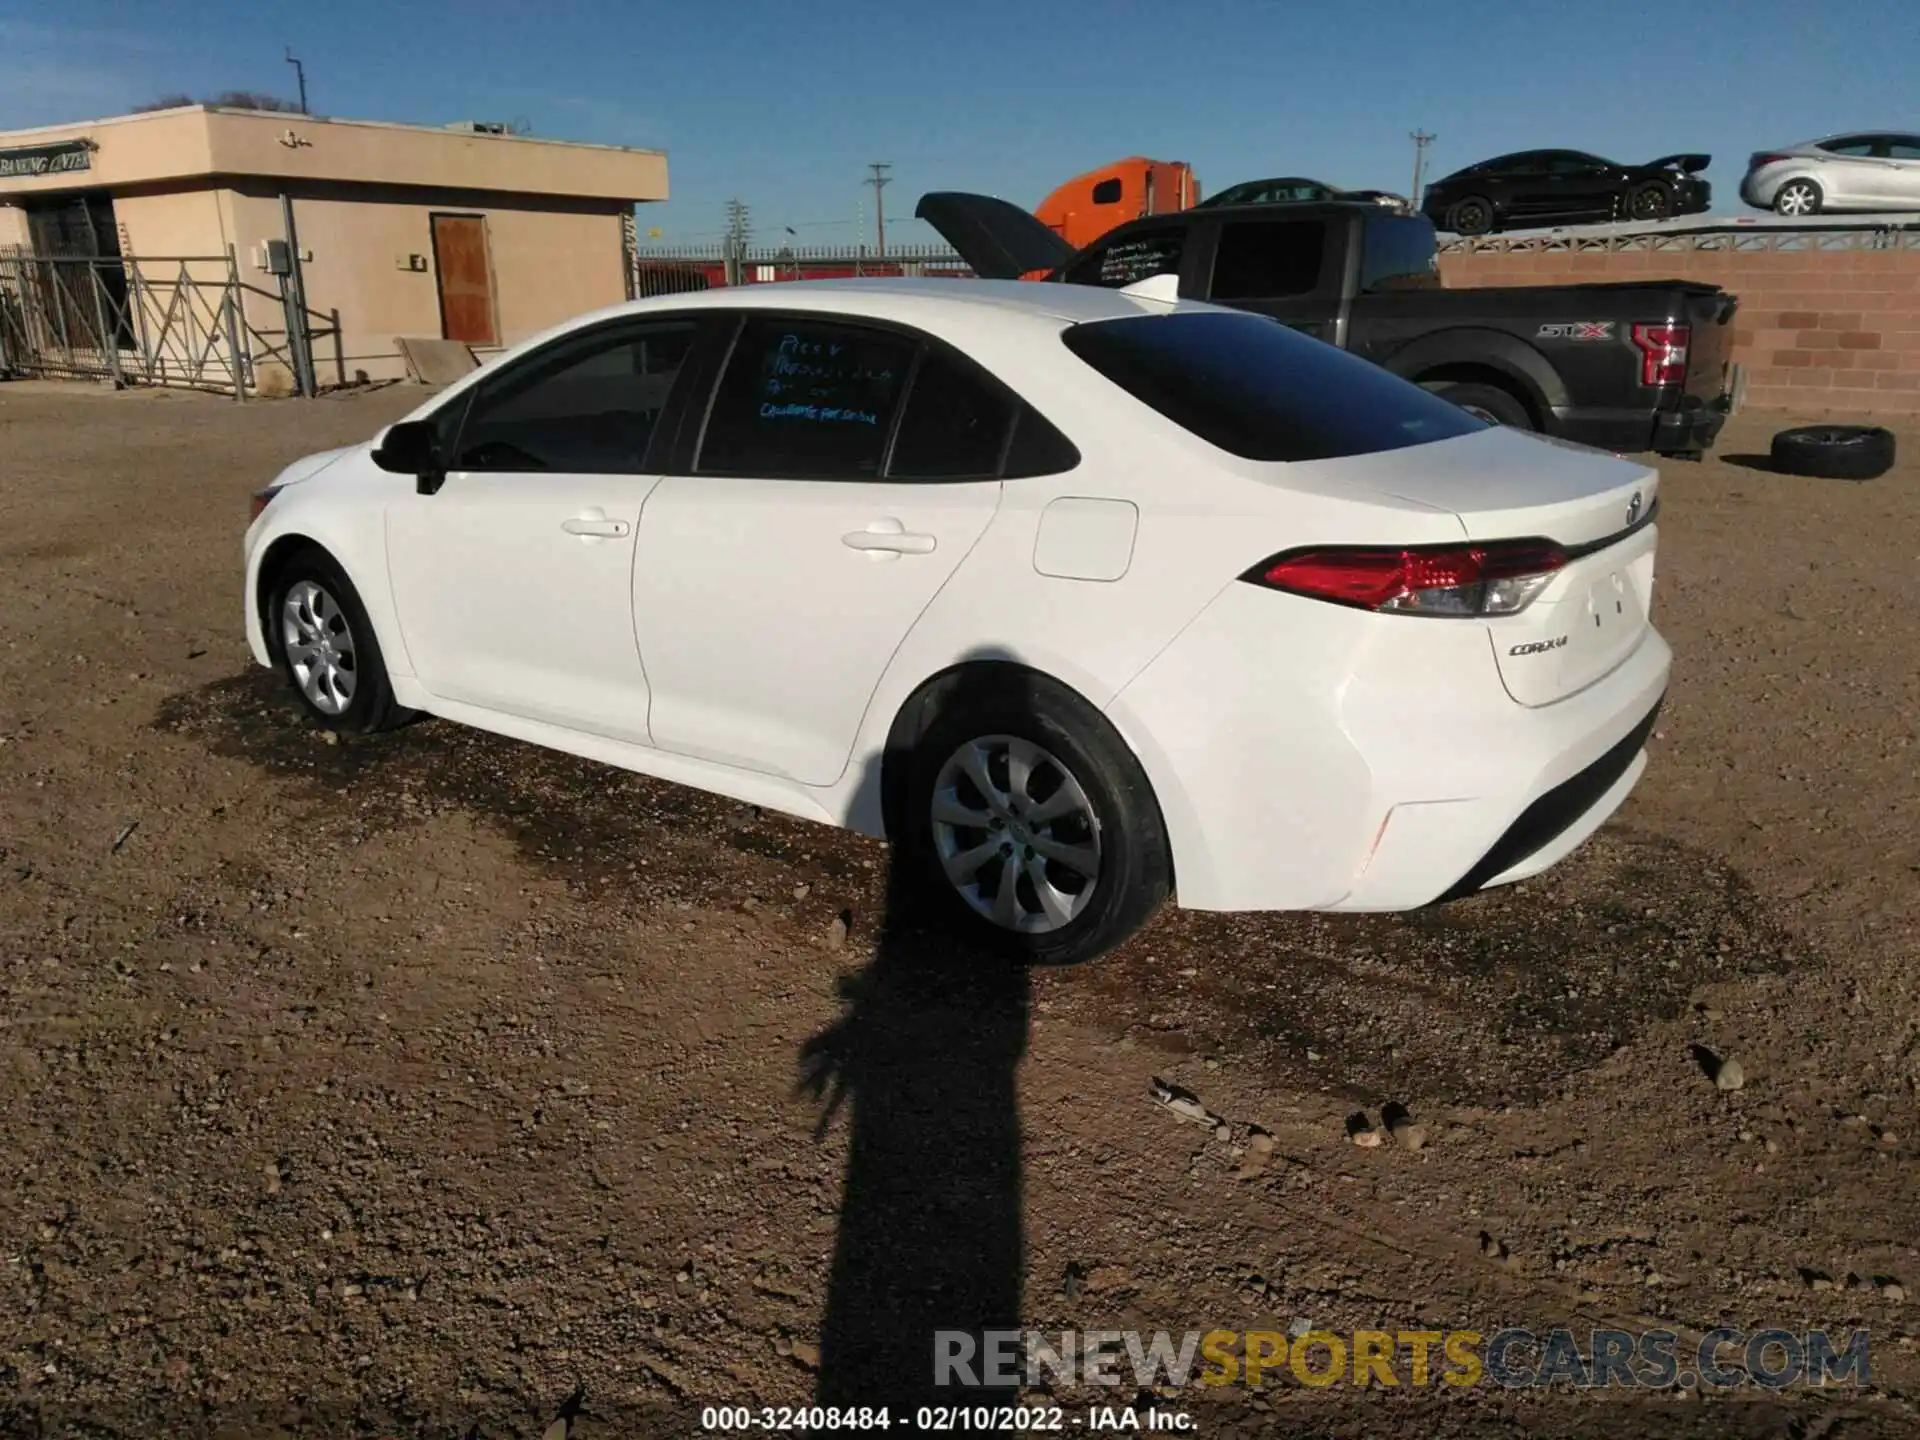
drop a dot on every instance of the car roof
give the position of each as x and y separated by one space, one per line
906 299
904 295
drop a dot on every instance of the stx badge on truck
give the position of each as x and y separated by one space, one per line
1578 330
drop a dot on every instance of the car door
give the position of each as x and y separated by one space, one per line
1888 174
1275 266
843 471
1845 172
513 578
1903 172
1585 185
1527 188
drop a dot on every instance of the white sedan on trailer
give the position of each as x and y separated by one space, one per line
1075 595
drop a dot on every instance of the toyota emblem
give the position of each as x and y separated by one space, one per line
1633 508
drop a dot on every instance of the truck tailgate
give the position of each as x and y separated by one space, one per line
1709 359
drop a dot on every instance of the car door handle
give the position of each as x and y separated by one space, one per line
888 537
595 527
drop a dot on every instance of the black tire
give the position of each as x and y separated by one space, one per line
1487 402
1834 452
1812 198
1470 216
1649 200
352 648
1134 866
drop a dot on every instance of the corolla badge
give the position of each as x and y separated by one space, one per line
1633 508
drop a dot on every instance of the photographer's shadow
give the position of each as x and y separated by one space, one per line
930 1235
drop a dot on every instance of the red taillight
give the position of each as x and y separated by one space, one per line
260 499
1458 580
1766 159
1663 353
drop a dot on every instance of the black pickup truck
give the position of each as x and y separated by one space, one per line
1625 367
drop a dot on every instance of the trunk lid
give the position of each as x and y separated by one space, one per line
997 239
1510 485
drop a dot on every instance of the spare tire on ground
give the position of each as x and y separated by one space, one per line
1834 452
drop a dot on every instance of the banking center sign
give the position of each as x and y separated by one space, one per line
61 159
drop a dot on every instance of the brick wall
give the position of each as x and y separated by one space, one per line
1832 330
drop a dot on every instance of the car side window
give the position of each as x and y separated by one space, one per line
1268 259
1903 147
1139 255
1568 163
955 424
805 398
584 406
1853 146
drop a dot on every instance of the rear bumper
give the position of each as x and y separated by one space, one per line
1632 431
1560 819
1313 761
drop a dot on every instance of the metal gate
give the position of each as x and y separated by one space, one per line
178 321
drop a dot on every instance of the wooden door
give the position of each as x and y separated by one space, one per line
466 278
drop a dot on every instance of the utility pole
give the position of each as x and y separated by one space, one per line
739 224
739 227
879 181
1421 139
301 71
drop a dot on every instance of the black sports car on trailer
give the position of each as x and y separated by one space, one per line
1559 187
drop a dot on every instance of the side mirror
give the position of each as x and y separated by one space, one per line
413 448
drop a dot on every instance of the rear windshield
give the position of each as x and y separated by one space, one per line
1260 390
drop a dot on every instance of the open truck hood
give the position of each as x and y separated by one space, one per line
997 239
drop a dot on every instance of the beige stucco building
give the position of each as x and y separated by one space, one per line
406 231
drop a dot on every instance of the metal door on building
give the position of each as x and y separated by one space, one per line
465 273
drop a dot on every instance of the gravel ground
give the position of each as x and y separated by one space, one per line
433 1084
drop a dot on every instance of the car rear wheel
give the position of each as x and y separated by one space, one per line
1834 452
1031 817
1471 216
1798 197
324 644
1650 201
1486 402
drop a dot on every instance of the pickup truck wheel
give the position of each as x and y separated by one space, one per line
1486 402
1471 216
1798 197
1651 201
1834 452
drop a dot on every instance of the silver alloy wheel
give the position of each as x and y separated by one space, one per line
319 646
1016 834
1796 197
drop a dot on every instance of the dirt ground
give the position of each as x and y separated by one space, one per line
434 1084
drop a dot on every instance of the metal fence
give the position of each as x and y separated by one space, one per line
175 321
668 270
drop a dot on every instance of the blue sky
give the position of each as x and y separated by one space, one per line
783 104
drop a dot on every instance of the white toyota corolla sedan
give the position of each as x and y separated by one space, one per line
1080 597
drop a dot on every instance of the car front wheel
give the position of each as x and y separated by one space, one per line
1033 819
325 646
1472 216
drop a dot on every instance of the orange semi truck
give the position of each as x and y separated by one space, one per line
1089 205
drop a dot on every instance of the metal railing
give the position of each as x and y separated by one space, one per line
1739 236
669 269
173 321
